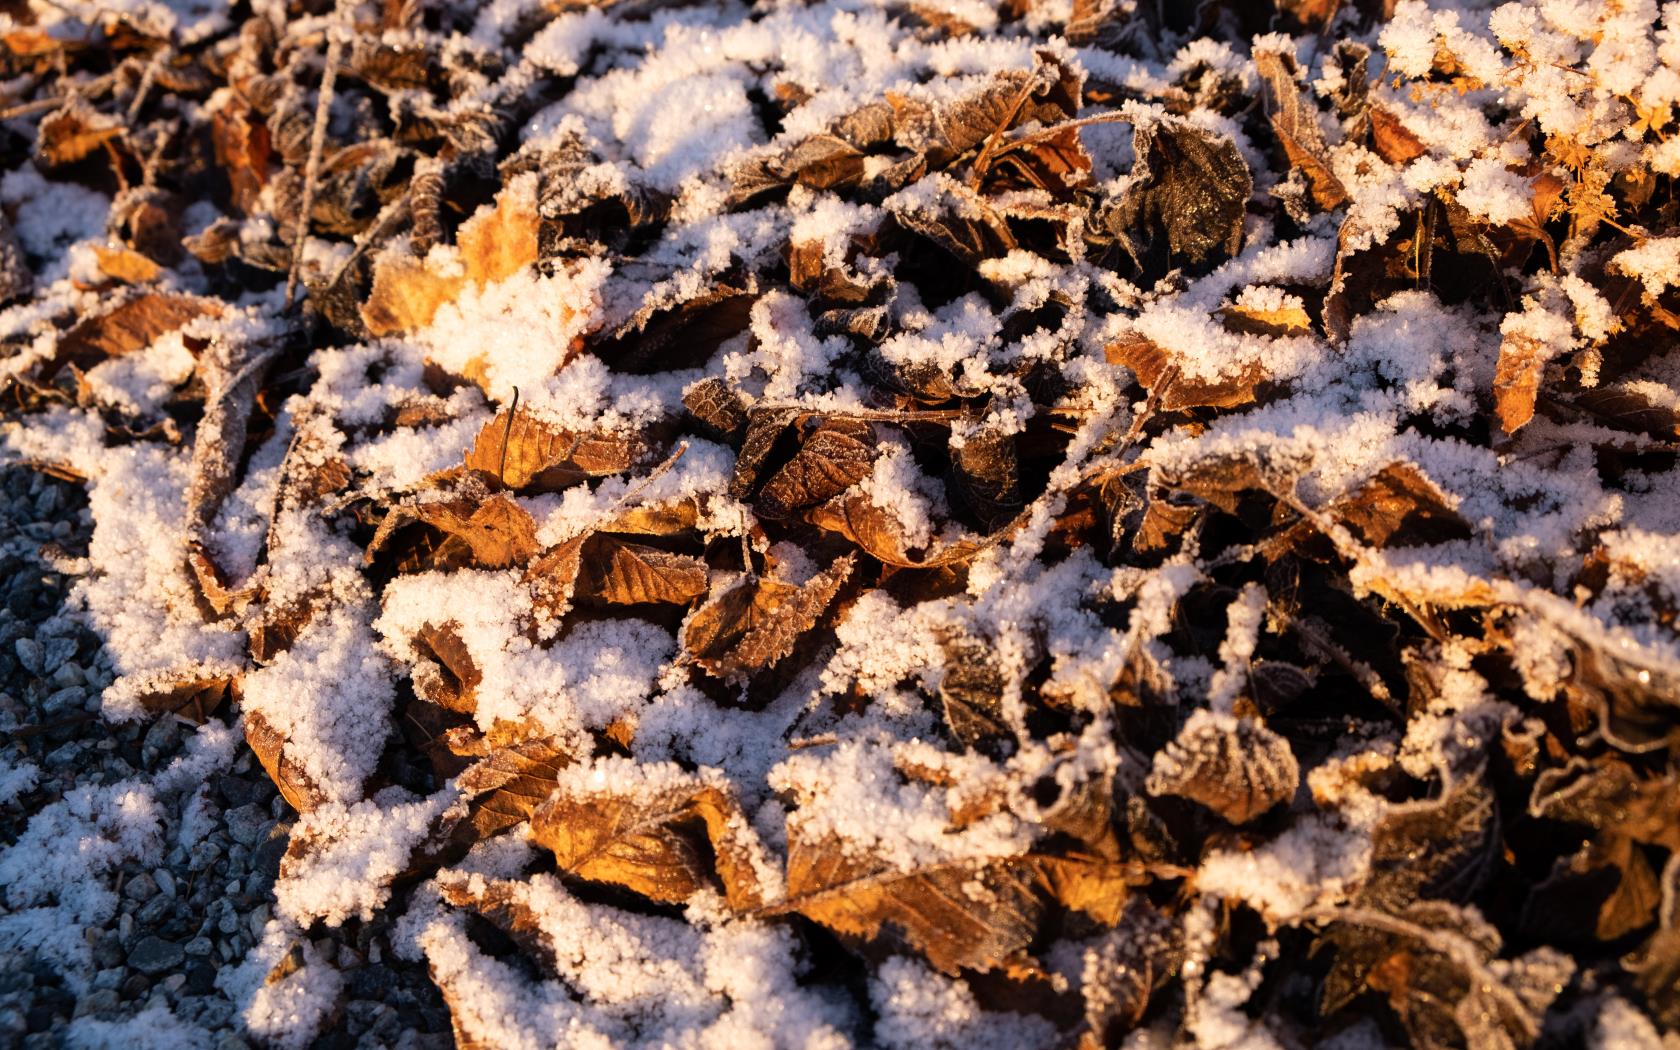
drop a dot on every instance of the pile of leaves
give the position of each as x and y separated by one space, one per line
1013 522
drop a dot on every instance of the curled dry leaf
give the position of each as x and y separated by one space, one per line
754 622
1295 121
963 915
1186 199
494 244
662 840
1234 766
271 748
529 454
1516 382
74 132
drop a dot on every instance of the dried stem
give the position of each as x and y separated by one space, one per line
317 142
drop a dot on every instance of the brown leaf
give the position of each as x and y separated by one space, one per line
553 576
406 295
1398 506
1392 140
623 573
878 533
1158 374
713 403
497 529
538 456
836 454
242 150
754 622
1516 380
286 772
1287 320
126 265
1295 120
987 475
506 786
232 374
134 325
496 243
1629 410
72 132
194 695
661 842
964 915
1234 766
446 675
1186 200
1097 886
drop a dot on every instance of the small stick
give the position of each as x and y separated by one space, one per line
507 434
317 142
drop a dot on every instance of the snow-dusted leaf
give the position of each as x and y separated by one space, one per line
1234 766
529 454
1516 383
1295 121
623 573
506 786
282 767
662 840
1159 373
755 622
962 915
1399 506
132 325
835 454
1186 199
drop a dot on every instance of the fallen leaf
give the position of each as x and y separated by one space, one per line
1295 121
1516 380
538 456
1234 766
753 623
623 573
962 915
661 842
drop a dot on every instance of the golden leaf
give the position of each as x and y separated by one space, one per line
653 842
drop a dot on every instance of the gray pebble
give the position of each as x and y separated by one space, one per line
70 698
199 946
165 882
140 888
154 955
103 1000
247 823
30 654
154 911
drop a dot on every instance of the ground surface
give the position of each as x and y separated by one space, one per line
912 524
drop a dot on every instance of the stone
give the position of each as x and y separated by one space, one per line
247 823
30 654
140 888
154 955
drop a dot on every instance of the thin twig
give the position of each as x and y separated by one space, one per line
507 436
317 142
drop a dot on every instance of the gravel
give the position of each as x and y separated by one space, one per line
181 925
